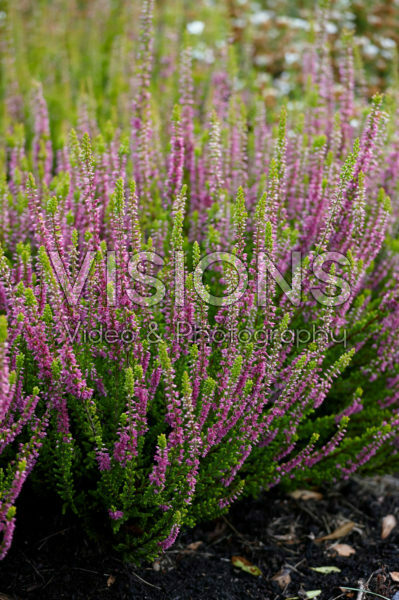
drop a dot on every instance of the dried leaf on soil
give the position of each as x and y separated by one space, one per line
194 546
388 524
312 594
242 563
110 581
283 578
395 576
306 495
326 570
343 549
341 531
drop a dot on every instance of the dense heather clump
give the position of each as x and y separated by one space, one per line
127 381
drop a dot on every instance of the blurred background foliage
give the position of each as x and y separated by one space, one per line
84 51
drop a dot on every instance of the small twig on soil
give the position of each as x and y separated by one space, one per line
233 528
144 581
48 583
86 570
44 540
372 575
340 596
310 513
300 562
344 587
292 568
362 589
34 568
217 541
353 507
290 550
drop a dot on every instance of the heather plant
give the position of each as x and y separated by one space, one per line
201 305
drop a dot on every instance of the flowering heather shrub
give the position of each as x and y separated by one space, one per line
153 391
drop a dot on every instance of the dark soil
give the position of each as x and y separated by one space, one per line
51 558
